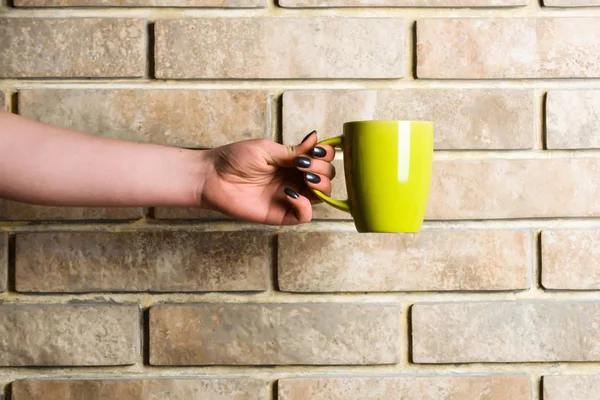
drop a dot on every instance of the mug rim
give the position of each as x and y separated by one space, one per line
376 121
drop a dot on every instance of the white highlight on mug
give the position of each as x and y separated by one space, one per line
403 150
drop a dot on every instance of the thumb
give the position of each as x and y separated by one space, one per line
283 156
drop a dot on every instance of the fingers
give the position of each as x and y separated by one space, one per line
306 164
283 156
319 182
300 211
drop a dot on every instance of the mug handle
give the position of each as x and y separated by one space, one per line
343 205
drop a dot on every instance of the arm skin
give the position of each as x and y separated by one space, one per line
48 165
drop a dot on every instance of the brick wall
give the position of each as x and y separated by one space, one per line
497 298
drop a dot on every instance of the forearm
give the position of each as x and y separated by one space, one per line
47 165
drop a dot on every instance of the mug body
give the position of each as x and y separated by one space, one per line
387 166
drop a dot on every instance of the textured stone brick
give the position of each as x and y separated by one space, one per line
136 389
431 260
514 188
283 48
62 335
464 119
3 105
573 119
401 3
71 48
285 334
571 3
523 48
15 211
143 3
570 259
503 331
580 387
142 261
184 118
3 261
406 388
188 213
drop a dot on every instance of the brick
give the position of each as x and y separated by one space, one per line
270 334
135 389
3 102
68 335
143 3
406 388
401 3
571 3
280 48
189 213
580 387
506 331
569 259
514 188
72 48
3 261
431 260
15 211
201 118
142 261
455 48
464 118
573 119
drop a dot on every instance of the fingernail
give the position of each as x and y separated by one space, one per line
291 193
302 162
318 152
307 136
312 178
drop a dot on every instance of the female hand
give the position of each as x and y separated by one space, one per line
262 181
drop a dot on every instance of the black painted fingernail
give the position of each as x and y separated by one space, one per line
318 152
302 162
291 193
307 136
312 178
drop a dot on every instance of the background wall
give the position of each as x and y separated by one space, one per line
497 298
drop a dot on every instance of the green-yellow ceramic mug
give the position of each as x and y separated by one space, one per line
387 167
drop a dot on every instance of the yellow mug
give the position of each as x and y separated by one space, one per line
387 167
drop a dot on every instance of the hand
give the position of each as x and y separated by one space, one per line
263 181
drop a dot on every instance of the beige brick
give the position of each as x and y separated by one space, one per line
431 260
573 119
570 259
184 118
3 261
463 118
523 48
143 3
3 102
63 335
15 211
189 213
406 388
284 334
284 48
136 389
571 3
580 387
72 48
514 188
142 261
401 3
506 331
